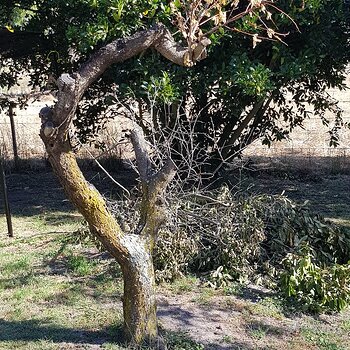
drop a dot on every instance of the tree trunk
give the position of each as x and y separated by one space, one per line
132 252
139 302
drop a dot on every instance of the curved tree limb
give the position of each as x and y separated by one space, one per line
72 86
133 252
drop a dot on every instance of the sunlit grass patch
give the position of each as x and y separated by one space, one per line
55 221
80 265
269 307
184 284
29 345
15 264
322 339
346 325
258 333
181 341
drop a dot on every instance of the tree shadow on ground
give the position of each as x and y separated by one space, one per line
183 340
237 345
19 281
326 192
264 328
35 193
36 330
255 294
211 327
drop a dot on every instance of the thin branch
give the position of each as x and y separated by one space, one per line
103 168
284 13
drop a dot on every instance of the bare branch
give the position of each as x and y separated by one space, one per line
153 186
73 86
163 177
144 165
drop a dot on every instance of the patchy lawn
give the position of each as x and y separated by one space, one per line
59 293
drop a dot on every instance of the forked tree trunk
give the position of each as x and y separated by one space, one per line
132 251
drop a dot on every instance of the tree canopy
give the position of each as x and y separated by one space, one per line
242 91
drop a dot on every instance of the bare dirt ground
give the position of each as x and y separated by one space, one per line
247 322
250 319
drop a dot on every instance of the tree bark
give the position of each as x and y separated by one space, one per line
131 251
139 302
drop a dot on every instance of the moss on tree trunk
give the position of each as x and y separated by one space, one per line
131 251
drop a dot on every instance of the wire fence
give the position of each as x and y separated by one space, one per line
31 148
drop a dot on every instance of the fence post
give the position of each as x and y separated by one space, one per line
13 133
6 202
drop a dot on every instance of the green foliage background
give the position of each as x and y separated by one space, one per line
284 77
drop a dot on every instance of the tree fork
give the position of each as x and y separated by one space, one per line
131 251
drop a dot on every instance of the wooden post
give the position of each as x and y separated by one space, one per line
6 202
13 133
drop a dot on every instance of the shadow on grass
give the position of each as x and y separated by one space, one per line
288 307
254 293
36 330
264 328
236 345
327 196
57 219
39 330
32 194
183 340
18 281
